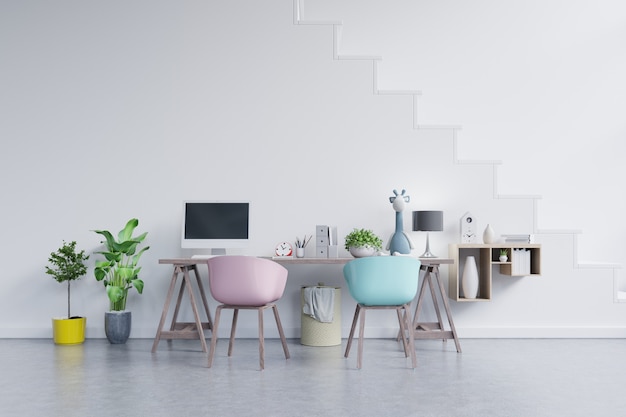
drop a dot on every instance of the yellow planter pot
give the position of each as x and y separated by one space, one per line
69 331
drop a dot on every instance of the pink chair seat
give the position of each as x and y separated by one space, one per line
246 280
245 283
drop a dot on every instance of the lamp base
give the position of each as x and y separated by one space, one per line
427 253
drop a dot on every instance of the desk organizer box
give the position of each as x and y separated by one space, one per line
316 333
326 242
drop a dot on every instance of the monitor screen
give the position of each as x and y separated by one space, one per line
215 225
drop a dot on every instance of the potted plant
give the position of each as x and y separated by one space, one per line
119 272
67 265
504 255
363 242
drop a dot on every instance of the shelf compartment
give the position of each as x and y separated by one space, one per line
487 257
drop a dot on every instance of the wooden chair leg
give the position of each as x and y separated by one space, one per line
214 335
402 322
406 325
361 333
261 339
411 331
280 331
354 321
231 342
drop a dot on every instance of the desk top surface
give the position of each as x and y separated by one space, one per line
297 261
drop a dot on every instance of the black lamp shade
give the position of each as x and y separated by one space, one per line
428 221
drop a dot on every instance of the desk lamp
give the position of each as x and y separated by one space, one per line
428 221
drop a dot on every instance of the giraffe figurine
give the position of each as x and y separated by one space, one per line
399 243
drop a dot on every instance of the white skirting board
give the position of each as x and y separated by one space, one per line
370 332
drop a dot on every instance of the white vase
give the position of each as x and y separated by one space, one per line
489 236
469 282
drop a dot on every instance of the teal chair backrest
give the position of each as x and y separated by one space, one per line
382 280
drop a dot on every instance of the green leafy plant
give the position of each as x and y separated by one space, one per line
504 252
67 265
363 237
119 271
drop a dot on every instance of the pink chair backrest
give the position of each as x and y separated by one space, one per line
246 280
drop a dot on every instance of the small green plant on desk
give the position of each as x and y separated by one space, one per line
363 242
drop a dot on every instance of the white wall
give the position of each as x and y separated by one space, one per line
113 110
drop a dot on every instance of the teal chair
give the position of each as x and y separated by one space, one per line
383 282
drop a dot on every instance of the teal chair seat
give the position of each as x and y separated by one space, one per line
383 282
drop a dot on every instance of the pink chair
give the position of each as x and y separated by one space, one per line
246 283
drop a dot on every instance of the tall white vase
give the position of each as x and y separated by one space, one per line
489 236
469 282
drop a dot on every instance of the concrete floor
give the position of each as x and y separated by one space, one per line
504 377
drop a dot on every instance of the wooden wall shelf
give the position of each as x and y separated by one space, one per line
487 258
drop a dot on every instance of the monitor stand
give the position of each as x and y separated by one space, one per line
214 252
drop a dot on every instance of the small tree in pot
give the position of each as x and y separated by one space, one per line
67 265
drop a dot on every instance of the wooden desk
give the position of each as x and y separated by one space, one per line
309 261
184 330
194 330
434 330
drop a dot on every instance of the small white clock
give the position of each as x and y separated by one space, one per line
284 249
468 228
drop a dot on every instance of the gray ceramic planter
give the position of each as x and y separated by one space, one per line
117 326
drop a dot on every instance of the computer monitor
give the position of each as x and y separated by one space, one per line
215 225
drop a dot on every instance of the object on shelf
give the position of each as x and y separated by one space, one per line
504 255
520 259
428 221
362 251
283 249
399 242
489 236
468 228
470 278
364 239
322 240
301 244
519 238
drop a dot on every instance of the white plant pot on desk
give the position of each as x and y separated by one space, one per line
362 251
